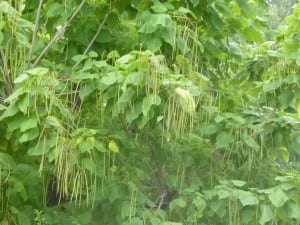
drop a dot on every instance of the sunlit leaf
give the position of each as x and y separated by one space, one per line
247 198
113 146
238 183
278 197
38 71
21 78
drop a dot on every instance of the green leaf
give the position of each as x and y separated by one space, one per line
85 147
266 214
29 135
245 7
247 198
38 71
79 58
161 19
283 154
153 43
154 21
135 78
293 211
21 78
53 121
183 10
6 8
14 123
159 7
55 9
208 129
170 223
125 59
113 54
248 214
1 37
224 139
222 193
86 90
43 146
272 85
112 146
149 101
238 183
9 112
93 54
278 197
144 119
148 28
23 104
28 124
219 208
178 202
250 141
223 8
99 146
23 40
15 95
251 34
109 80
2 107
85 76
199 203
88 164
195 2
134 112
126 96
168 35
125 209
6 160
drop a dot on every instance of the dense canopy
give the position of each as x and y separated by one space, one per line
148 112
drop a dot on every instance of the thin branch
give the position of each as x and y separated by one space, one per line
36 27
94 37
58 34
8 87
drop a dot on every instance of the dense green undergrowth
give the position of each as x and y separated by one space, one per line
148 112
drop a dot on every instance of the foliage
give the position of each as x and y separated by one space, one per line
147 112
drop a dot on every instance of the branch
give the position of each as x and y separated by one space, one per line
94 37
58 34
36 27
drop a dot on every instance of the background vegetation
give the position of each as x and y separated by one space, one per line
149 112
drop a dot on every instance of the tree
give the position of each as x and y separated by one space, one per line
145 112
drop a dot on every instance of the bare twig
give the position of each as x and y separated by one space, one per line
36 27
161 200
58 34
